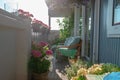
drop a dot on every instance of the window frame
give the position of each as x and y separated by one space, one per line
112 30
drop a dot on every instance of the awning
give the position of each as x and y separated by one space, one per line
62 8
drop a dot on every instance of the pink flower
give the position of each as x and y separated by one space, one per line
25 13
43 43
36 53
20 10
31 15
49 52
36 21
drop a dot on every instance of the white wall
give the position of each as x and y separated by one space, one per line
15 44
7 54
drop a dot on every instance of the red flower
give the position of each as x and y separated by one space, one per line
20 10
31 15
43 43
36 53
24 13
49 52
36 21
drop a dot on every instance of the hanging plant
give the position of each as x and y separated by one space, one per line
36 21
24 14
39 26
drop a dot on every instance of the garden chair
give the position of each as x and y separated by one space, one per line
71 47
54 47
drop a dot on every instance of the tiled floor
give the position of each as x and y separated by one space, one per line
57 68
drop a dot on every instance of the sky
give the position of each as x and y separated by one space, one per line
37 7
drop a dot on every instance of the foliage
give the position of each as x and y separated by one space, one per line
57 41
81 78
108 67
66 26
38 66
78 78
95 69
78 70
103 68
73 69
39 62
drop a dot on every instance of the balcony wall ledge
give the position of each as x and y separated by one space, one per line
10 20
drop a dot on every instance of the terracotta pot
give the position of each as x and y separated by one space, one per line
42 76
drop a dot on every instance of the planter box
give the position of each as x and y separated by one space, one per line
43 76
95 77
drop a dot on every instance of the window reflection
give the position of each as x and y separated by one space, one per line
116 12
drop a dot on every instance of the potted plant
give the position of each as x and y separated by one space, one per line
39 63
25 15
36 25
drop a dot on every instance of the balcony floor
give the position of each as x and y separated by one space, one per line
57 68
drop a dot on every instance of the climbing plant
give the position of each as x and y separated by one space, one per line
66 26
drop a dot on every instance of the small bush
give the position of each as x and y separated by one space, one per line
72 70
78 70
108 67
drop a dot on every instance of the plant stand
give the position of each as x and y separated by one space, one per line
42 76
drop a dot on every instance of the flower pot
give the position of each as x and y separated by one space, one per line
42 76
95 77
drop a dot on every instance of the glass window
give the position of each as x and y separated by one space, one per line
113 18
116 12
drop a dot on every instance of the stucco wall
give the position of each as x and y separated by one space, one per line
15 43
7 54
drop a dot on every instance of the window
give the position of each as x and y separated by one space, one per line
116 12
113 18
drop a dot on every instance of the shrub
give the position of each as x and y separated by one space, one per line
38 62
